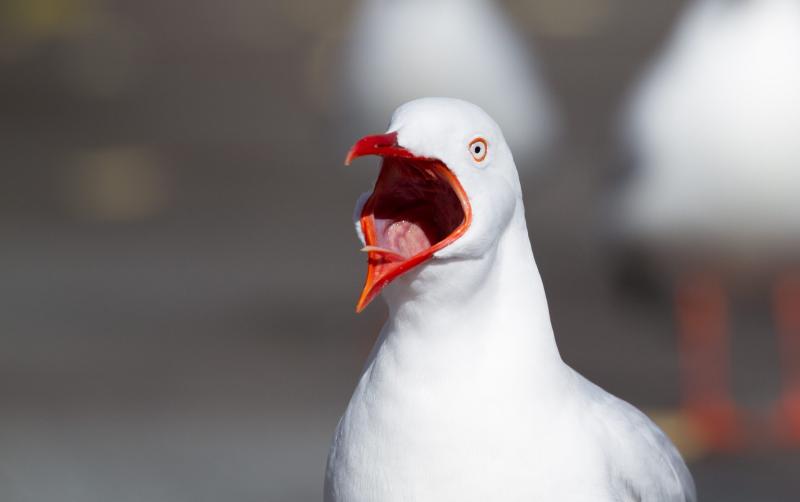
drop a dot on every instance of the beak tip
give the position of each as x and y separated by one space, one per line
364 300
351 156
379 144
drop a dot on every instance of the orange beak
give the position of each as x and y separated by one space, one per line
417 207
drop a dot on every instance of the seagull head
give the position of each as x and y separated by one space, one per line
447 190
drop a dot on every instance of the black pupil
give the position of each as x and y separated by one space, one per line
477 148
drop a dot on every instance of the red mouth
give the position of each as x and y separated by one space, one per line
417 208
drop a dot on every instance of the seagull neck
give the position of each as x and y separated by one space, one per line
492 304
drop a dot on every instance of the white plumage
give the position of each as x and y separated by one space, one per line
465 396
713 129
400 50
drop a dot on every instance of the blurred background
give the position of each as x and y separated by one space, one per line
178 267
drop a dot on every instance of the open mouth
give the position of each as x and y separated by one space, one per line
416 208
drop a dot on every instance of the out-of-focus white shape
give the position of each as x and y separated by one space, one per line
406 49
714 129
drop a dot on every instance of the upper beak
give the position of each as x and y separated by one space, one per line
379 144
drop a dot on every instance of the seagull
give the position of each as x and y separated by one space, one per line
464 395
398 50
712 129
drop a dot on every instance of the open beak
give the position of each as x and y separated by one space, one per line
417 208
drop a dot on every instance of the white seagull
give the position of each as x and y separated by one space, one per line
465 396
715 194
400 50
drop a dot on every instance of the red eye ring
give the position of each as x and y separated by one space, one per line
478 148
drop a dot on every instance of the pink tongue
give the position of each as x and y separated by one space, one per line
405 238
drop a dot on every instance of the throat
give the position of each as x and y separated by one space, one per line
487 313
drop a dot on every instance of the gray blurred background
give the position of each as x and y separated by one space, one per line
178 268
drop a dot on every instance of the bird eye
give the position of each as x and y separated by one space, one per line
478 149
